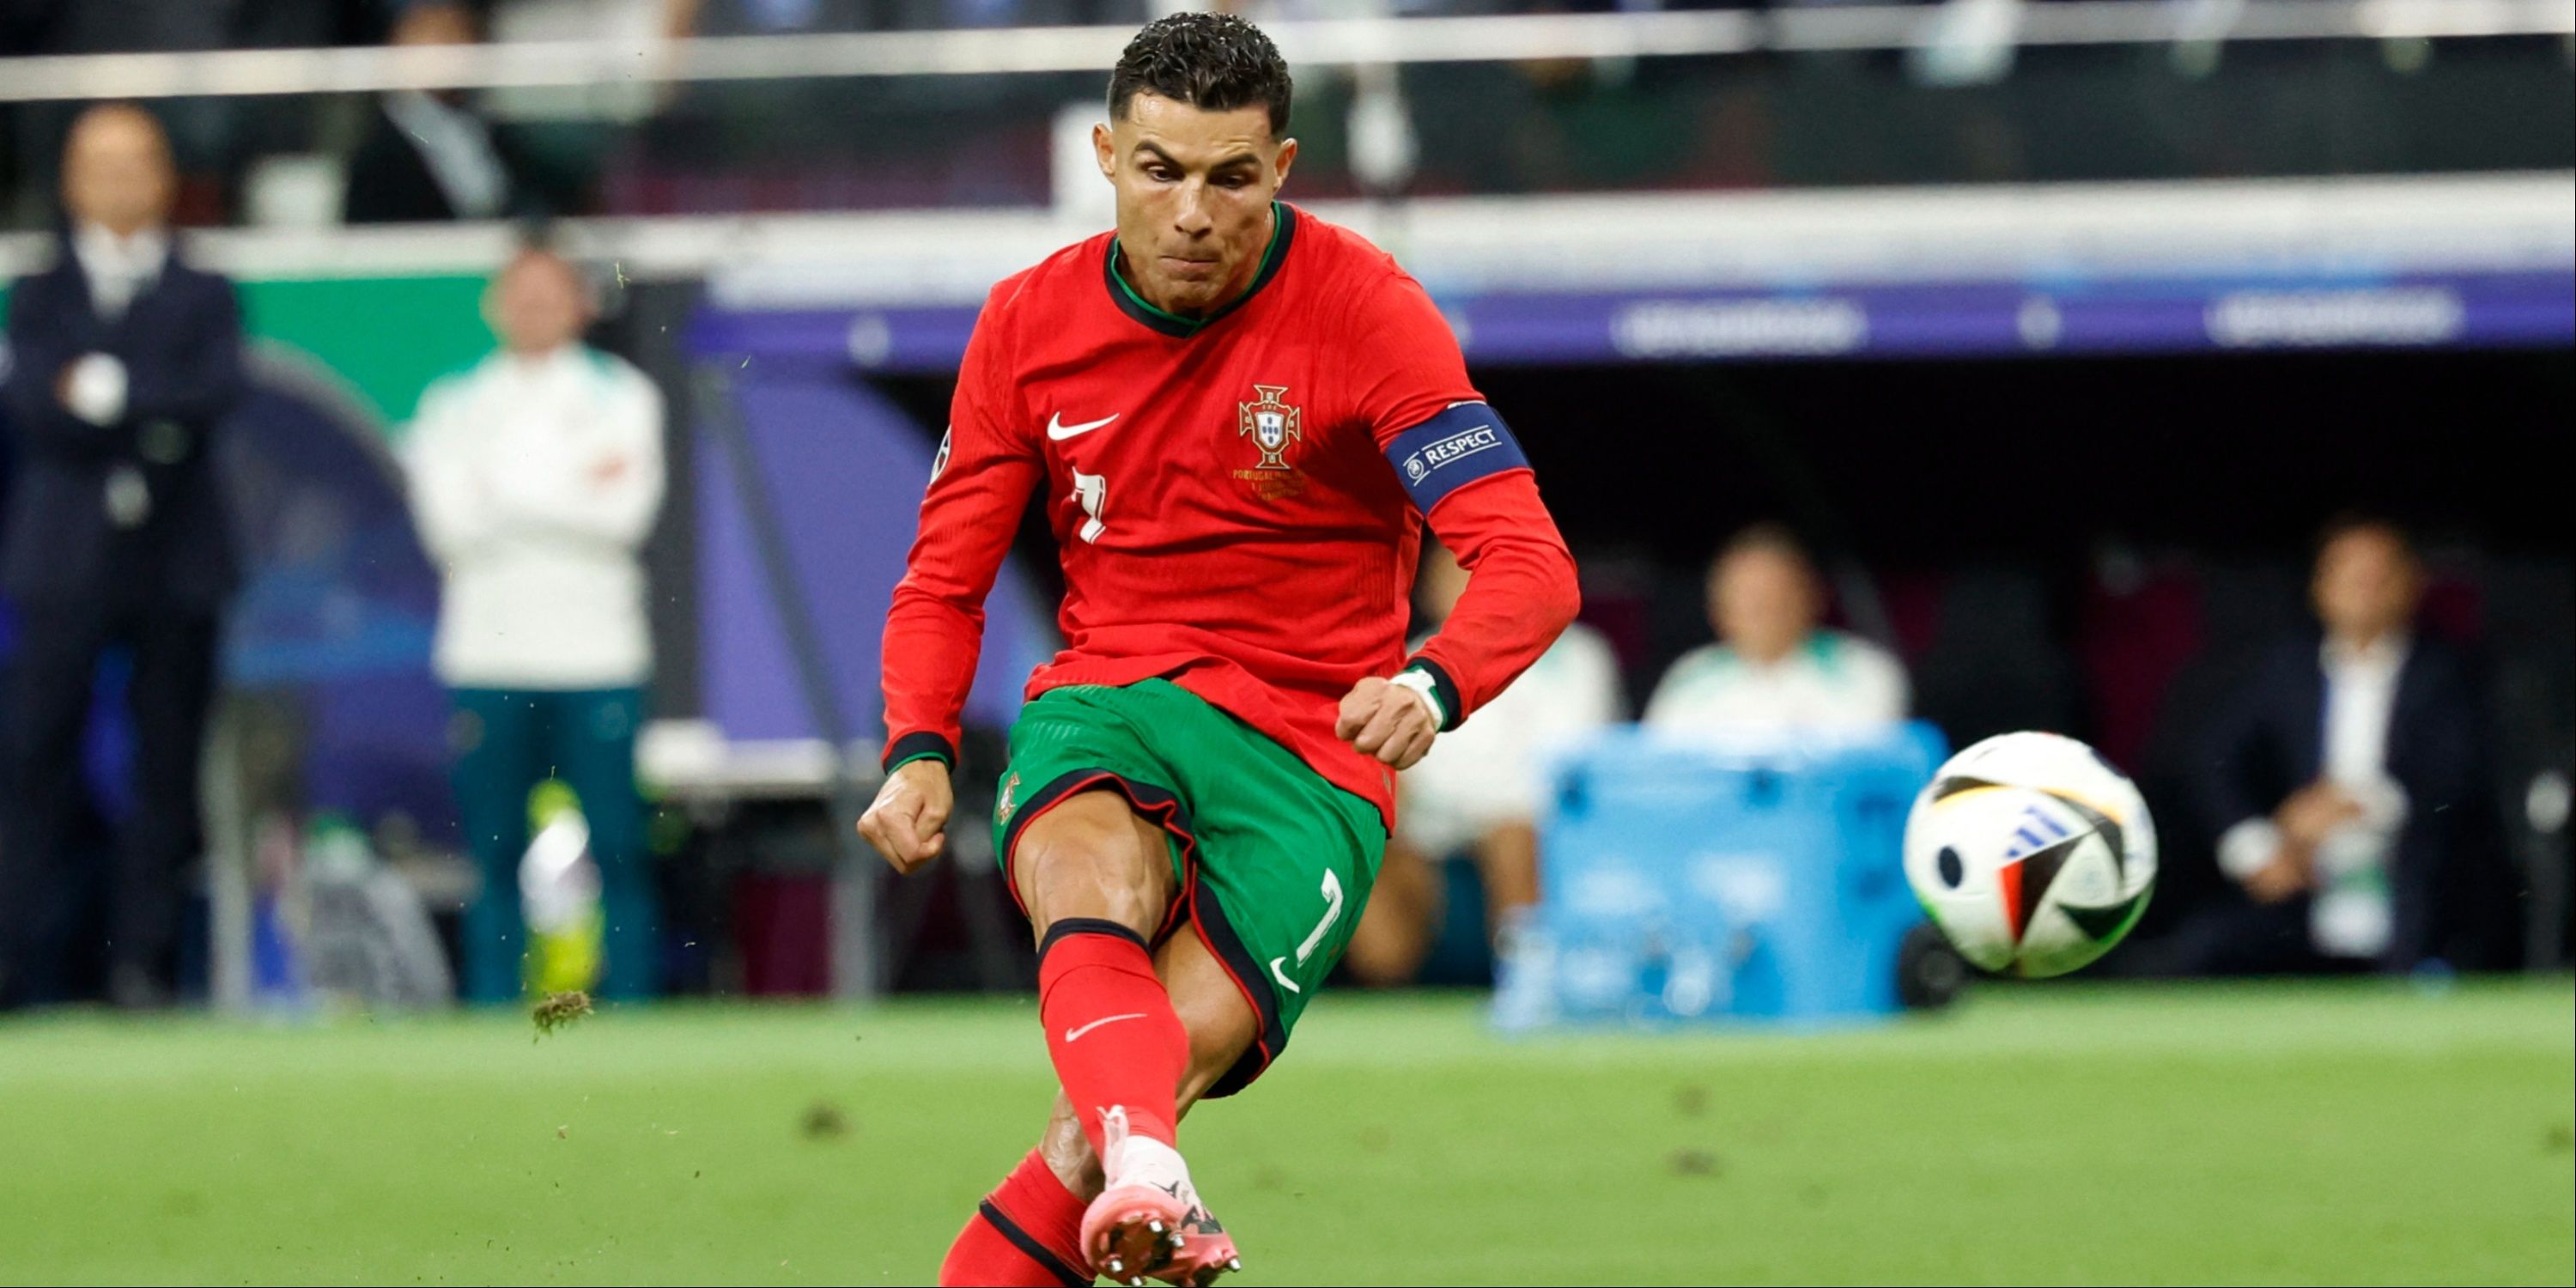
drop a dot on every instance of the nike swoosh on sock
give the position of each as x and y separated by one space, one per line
1075 1035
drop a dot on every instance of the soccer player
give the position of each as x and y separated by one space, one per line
1241 418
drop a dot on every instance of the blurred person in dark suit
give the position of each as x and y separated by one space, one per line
124 362
2351 783
428 156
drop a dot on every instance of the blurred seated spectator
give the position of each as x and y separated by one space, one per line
205 134
1476 795
124 362
736 17
2350 780
536 477
1775 665
428 156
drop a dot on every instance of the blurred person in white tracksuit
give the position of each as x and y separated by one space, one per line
1476 794
1775 665
536 477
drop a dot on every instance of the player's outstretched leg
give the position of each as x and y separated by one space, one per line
1098 878
1096 983
1091 852
1222 1027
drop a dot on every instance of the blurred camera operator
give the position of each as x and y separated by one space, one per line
124 362
536 477
1775 665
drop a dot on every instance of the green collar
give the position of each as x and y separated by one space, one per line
1283 230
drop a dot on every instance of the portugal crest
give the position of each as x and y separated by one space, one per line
1271 425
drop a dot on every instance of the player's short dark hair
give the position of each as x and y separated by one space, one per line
1212 61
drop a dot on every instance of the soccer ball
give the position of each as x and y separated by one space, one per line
2031 854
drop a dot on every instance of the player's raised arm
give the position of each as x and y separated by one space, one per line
1463 469
988 464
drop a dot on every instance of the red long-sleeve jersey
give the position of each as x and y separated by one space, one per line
1239 499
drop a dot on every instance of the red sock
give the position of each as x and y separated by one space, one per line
1110 1027
1026 1234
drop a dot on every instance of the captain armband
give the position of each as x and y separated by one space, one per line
1462 444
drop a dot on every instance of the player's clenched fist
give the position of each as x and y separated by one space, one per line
905 822
1386 720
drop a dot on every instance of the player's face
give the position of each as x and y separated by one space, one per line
1194 190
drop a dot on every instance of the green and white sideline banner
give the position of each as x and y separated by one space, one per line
383 311
385 338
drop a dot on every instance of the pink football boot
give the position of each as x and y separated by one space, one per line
1148 1221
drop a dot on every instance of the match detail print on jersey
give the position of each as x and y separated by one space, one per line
1462 444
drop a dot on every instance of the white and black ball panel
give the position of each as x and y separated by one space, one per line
2061 766
2032 854
1953 861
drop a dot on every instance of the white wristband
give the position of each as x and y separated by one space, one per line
1422 686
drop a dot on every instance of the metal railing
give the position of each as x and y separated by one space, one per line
1349 42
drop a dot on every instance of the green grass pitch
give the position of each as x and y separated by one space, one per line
2065 1133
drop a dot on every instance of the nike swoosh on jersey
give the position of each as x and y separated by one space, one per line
1075 1035
1059 431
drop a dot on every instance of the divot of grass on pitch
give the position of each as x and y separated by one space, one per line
559 1010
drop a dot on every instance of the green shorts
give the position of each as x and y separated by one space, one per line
1273 863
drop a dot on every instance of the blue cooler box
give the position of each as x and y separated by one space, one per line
1736 880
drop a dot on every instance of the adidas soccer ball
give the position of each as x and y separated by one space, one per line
2031 854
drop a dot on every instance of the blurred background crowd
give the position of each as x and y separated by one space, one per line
486 598
1804 95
